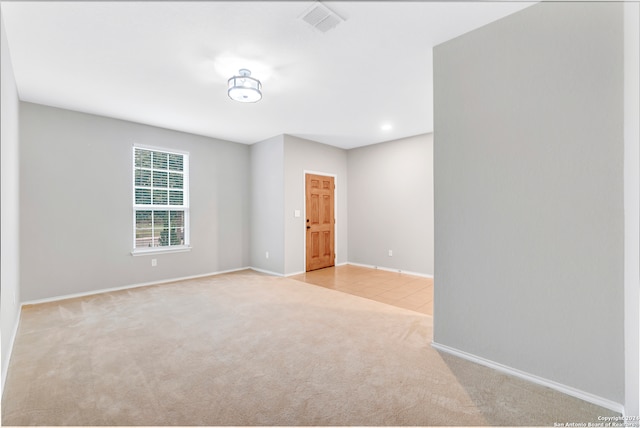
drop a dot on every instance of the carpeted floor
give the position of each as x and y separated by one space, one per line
250 349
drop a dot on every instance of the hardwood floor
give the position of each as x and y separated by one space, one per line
397 289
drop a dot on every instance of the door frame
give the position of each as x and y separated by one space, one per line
304 213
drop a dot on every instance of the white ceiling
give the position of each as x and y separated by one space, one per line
167 64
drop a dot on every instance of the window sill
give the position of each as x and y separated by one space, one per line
160 250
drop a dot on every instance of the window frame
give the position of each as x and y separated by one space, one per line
185 207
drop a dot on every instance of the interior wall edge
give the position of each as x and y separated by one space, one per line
9 352
632 206
10 197
574 392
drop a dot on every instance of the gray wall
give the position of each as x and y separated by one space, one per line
632 206
76 195
401 171
391 204
529 194
267 202
302 155
9 253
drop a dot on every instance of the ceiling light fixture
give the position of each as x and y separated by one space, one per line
245 88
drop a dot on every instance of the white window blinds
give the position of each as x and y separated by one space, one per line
160 199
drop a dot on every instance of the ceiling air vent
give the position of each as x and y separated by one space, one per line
321 17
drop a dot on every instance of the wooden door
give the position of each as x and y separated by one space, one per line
320 221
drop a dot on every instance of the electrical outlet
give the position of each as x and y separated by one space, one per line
266 254
390 253
154 262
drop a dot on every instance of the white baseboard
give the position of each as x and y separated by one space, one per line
582 395
424 275
268 272
5 364
127 287
294 273
302 271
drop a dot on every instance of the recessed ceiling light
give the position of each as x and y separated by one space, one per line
386 127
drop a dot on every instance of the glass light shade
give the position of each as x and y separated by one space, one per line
245 88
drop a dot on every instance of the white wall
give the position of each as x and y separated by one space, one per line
529 217
391 204
302 155
76 195
267 202
9 253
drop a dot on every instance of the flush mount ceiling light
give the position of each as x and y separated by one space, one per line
245 88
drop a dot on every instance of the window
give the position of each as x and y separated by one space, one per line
160 200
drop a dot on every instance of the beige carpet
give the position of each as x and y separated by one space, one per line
250 349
